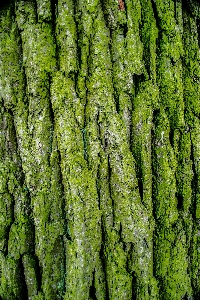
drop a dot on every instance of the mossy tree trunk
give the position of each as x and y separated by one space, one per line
100 150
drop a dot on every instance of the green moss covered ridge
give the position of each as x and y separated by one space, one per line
99 150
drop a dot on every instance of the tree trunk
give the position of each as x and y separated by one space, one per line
100 150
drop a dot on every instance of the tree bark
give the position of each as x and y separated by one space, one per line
99 150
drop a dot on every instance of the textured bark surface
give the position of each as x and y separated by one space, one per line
100 150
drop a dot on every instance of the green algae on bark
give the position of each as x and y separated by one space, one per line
99 148
171 261
82 210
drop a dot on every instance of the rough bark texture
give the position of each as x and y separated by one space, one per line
100 150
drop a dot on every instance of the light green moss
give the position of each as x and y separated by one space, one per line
172 264
80 190
66 37
134 45
164 167
170 241
76 174
120 201
39 296
34 120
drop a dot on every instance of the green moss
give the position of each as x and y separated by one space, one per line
30 275
113 165
171 256
191 70
191 93
80 192
170 63
164 167
25 14
184 172
120 200
39 296
172 264
10 87
149 36
66 37
142 116
44 10
194 8
121 64
120 284
45 192
134 45
11 286
20 239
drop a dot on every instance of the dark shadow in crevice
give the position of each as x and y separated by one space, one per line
35 9
93 289
180 201
138 79
22 280
24 82
146 44
110 186
192 6
134 286
54 13
155 12
140 185
189 297
196 295
124 29
79 41
38 272
171 137
8 228
116 98
79 29
104 9
198 31
139 175
103 257
52 119
156 114
121 238
173 62
6 4
194 185
98 188
64 214
84 139
66 231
